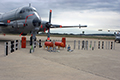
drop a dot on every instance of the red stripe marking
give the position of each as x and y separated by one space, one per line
21 33
50 10
27 17
60 26
41 26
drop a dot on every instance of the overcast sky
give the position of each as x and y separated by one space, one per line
94 13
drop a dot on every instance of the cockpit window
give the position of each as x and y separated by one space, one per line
28 10
22 11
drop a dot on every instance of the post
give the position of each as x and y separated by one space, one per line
94 44
74 43
83 44
87 45
102 44
9 47
114 45
35 42
40 43
16 45
106 44
98 44
79 44
6 48
19 44
91 45
111 45
33 45
12 46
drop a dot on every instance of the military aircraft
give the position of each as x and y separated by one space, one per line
116 33
26 20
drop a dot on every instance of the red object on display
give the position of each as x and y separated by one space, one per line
49 44
64 41
23 42
61 44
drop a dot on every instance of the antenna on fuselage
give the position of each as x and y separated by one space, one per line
29 4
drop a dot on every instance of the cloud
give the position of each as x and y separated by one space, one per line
94 13
65 5
81 5
92 19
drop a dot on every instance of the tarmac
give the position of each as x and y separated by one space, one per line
97 64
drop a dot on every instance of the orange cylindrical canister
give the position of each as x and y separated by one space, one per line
61 44
64 41
49 44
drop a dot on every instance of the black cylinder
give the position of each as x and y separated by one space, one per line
111 45
102 44
35 43
6 48
30 40
83 44
16 44
98 44
40 43
12 46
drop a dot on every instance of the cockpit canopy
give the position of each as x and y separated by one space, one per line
27 9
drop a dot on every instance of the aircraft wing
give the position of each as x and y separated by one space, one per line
60 26
3 24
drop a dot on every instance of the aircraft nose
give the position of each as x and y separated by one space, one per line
36 22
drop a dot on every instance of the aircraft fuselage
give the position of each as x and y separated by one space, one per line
21 20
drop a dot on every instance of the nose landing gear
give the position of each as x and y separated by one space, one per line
32 40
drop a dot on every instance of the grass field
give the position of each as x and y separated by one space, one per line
83 36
